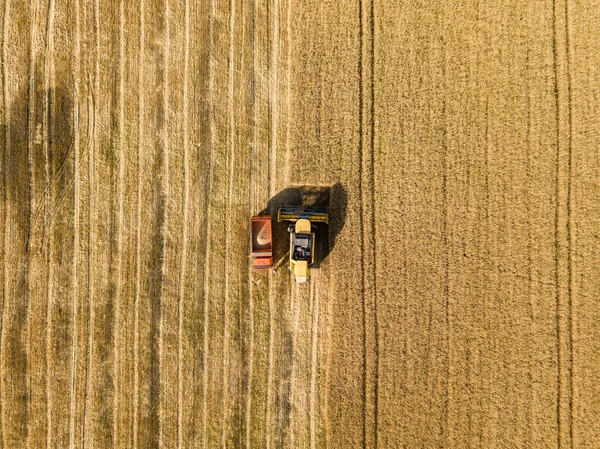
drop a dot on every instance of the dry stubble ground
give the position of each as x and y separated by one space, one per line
459 303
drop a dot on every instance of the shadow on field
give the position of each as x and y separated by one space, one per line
334 197
23 160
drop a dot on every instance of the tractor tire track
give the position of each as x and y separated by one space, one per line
230 157
185 226
314 307
207 249
6 138
564 224
31 124
138 237
47 109
76 223
163 376
121 160
368 234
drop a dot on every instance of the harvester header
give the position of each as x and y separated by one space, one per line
294 213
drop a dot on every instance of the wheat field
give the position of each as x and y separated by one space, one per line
456 302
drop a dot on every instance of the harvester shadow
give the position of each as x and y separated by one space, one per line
32 173
334 197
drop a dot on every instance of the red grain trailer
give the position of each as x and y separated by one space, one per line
262 242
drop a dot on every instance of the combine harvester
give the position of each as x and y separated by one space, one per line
302 236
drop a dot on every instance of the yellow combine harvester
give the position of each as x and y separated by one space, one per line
302 236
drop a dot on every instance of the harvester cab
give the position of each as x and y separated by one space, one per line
302 236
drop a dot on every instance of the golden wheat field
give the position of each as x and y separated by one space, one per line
456 298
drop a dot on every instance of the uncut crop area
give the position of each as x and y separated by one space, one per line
457 298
